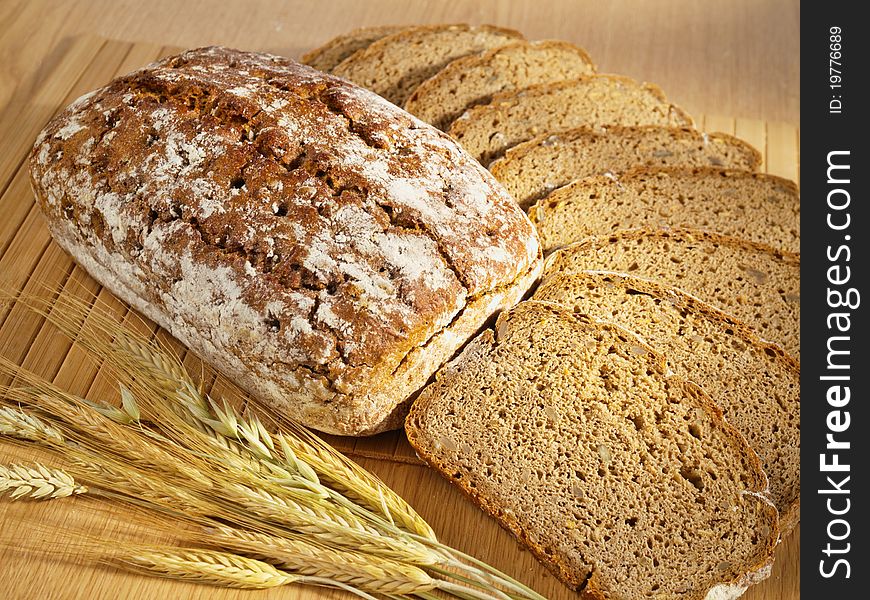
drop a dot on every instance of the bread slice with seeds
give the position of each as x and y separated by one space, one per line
395 65
754 283
327 56
625 481
754 206
531 170
486 131
755 383
474 79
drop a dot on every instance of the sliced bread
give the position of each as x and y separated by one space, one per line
754 206
327 56
395 65
531 170
754 283
755 384
474 79
512 117
625 481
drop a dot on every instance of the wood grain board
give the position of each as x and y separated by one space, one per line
30 261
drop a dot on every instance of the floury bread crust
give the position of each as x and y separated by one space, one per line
317 244
624 480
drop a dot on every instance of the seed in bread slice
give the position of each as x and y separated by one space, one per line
754 206
532 169
327 56
622 479
755 383
474 79
395 65
487 130
754 283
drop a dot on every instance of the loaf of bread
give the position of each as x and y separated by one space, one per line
753 206
475 79
488 130
755 384
624 480
327 56
755 283
395 65
531 170
315 243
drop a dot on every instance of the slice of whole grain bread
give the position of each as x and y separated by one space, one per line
488 130
755 283
531 170
755 384
625 481
327 56
395 65
754 206
474 79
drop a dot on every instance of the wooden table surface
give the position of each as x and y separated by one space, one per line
738 58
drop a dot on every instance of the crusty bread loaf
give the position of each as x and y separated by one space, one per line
755 384
487 130
327 56
532 169
757 284
624 480
474 79
315 243
395 65
754 206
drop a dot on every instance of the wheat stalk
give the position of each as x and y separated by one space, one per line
38 482
354 482
17 423
173 451
204 566
79 422
296 555
324 523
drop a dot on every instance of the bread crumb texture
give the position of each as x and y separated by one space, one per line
531 170
755 283
755 383
624 480
753 206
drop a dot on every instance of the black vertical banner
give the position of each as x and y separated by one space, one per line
835 362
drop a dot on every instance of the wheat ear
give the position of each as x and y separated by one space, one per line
295 554
204 566
15 422
38 482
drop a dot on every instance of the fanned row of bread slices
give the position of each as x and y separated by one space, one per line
666 247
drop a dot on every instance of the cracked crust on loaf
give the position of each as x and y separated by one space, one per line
320 246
